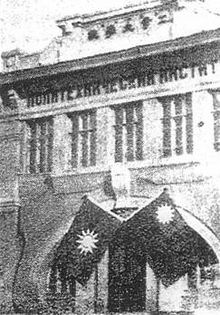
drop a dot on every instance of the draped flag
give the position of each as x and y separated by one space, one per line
86 241
170 246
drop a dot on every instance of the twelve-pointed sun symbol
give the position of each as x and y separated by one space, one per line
165 214
87 242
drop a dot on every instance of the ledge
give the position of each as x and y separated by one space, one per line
94 17
8 206
198 39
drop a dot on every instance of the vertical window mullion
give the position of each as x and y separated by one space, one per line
179 125
49 143
38 146
124 136
33 147
75 138
93 147
84 133
139 132
167 127
118 134
189 123
130 132
27 148
43 164
216 117
46 145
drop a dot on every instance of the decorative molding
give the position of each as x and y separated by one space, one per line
11 137
110 31
206 37
93 35
8 207
148 92
146 21
89 20
128 27
135 77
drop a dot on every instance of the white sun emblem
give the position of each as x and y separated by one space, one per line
165 214
87 242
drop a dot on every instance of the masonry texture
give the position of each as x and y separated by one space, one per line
121 110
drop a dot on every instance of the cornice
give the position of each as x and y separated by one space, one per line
198 39
130 9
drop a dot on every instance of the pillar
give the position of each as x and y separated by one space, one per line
9 200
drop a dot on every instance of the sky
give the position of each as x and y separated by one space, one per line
30 24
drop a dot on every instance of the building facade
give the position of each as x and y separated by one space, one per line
124 108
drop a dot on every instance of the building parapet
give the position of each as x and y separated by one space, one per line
152 22
70 23
210 37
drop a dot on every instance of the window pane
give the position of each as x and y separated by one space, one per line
216 116
61 293
217 130
93 138
118 135
166 127
33 147
189 124
84 138
43 142
130 132
177 125
75 131
40 145
139 132
50 145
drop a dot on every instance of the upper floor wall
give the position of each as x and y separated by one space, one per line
169 130
146 111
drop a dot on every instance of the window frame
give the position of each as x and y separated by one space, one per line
128 132
39 146
216 119
177 124
83 138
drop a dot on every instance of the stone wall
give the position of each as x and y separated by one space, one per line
10 245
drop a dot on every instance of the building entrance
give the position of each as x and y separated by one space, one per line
151 257
157 238
127 277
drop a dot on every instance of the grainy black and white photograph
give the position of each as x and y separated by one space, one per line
110 157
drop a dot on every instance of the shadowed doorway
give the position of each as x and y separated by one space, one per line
127 277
